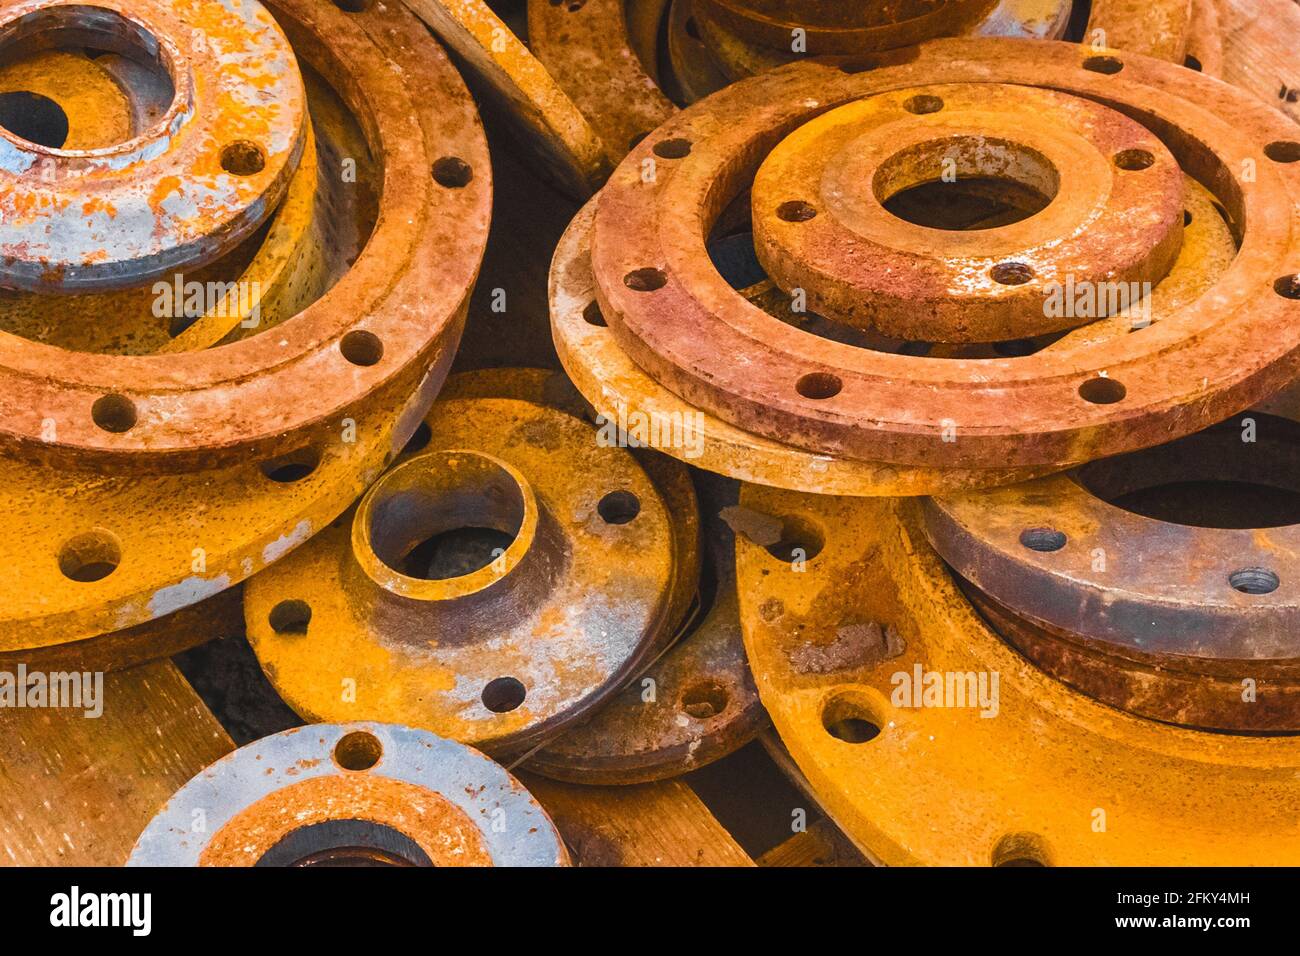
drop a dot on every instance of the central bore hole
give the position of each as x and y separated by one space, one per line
966 183
338 843
436 523
1213 479
132 60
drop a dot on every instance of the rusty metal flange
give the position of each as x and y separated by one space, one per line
677 318
569 608
129 548
740 56
371 338
624 394
846 652
694 705
357 794
182 192
1192 623
1114 198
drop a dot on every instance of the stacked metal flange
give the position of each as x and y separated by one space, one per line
884 342
223 316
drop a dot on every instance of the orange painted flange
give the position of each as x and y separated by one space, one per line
1050 776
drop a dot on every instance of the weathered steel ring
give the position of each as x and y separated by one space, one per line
681 322
509 653
177 195
356 794
1113 195
918 755
371 338
1111 600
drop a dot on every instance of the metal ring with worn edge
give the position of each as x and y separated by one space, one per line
179 194
621 392
941 745
680 321
130 548
1134 608
370 338
360 794
502 656
694 705
1113 196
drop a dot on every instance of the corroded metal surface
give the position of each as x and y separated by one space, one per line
177 194
694 705
821 221
134 543
586 48
1141 602
621 392
1048 776
371 339
574 599
677 319
355 794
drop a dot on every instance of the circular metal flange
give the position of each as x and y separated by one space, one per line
872 665
129 549
681 322
623 394
1134 609
181 193
356 794
843 28
1113 196
1024 19
694 705
509 653
370 339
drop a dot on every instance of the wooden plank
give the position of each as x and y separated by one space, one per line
822 844
653 824
77 791
1260 52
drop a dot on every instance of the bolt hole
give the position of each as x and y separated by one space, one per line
1019 850
290 617
818 385
37 119
673 148
503 694
1102 391
1045 540
1254 581
292 466
243 158
593 315
923 103
1134 159
90 557
358 751
361 347
618 507
849 719
796 210
799 541
451 172
645 280
1103 64
1288 287
1011 273
1283 151
705 699
113 413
